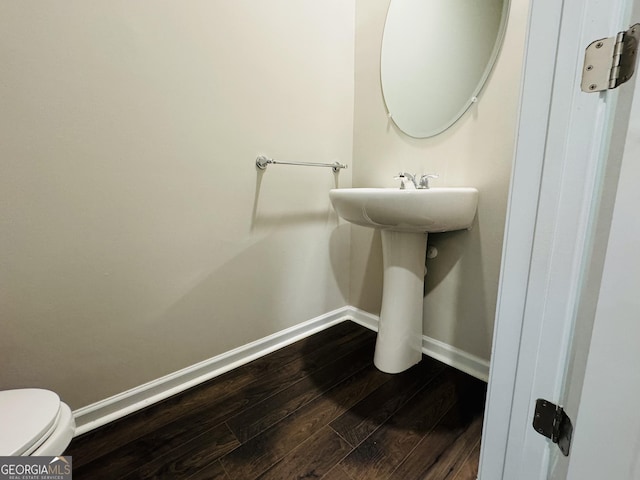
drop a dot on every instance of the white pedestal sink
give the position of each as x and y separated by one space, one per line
405 217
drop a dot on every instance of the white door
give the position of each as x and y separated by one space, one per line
560 209
603 392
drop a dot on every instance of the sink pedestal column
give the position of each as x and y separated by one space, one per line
399 341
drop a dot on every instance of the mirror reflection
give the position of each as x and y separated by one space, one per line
436 56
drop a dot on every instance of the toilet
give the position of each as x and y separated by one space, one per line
34 422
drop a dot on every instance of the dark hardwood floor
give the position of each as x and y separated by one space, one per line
315 409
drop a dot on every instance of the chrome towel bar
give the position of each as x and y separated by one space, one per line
262 162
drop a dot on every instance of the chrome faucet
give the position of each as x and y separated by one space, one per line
409 181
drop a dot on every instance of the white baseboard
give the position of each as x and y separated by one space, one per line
459 359
115 407
464 361
110 409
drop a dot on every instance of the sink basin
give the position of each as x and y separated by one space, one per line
405 218
421 211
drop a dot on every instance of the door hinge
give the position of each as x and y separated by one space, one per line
551 421
609 62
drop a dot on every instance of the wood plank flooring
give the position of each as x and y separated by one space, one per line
315 409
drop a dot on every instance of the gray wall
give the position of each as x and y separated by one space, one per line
136 235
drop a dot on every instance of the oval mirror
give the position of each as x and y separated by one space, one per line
436 56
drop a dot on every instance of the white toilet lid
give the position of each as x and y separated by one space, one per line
27 417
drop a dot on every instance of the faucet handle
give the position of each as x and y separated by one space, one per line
424 179
406 180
